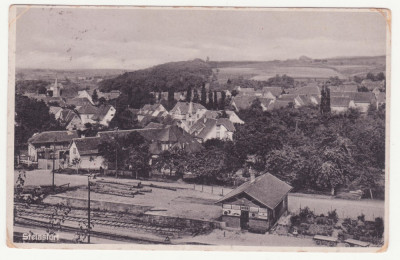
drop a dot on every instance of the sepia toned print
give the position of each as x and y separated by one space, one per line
198 128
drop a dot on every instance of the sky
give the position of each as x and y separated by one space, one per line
129 39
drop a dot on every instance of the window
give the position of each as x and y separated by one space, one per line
74 150
218 135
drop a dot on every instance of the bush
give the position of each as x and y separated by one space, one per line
295 220
332 215
306 215
379 227
361 218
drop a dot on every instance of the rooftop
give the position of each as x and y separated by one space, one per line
266 189
53 137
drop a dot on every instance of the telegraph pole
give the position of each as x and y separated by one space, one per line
89 209
54 157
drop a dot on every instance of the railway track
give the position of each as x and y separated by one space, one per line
111 221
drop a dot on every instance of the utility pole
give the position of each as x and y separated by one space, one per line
54 157
88 209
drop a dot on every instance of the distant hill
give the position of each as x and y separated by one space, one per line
176 75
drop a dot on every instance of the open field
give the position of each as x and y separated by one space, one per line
263 70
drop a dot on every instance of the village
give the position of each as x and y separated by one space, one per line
92 182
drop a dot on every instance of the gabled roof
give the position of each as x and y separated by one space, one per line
102 112
54 110
265 101
348 88
288 97
78 102
364 97
87 145
168 134
204 125
266 189
340 102
183 107
307 90
67 115
226 123
276 91
114 94
243 102
53 137
278 103
350 95
88 109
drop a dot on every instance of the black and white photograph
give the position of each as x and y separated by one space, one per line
205 128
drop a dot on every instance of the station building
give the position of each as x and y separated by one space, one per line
256 204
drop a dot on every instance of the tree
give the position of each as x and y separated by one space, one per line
371 76
210 100
380 76
95 97
215 100
139 156
76 162
287 164
189 94
31 116
203 100
325 105
196 96
222 101
102 101
171 99
127 151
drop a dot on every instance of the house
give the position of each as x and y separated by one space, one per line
242 102
87 113
87 151
56 111
370 85
233 117
247 92
113 94
257 204
70 120
78 102
85 94
265 102
152 110
348 88
292 98
105 113
312 90
217 114
161 139
362 101
91 114
46 147
209 128
341 104
275 91
187 113
278 104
